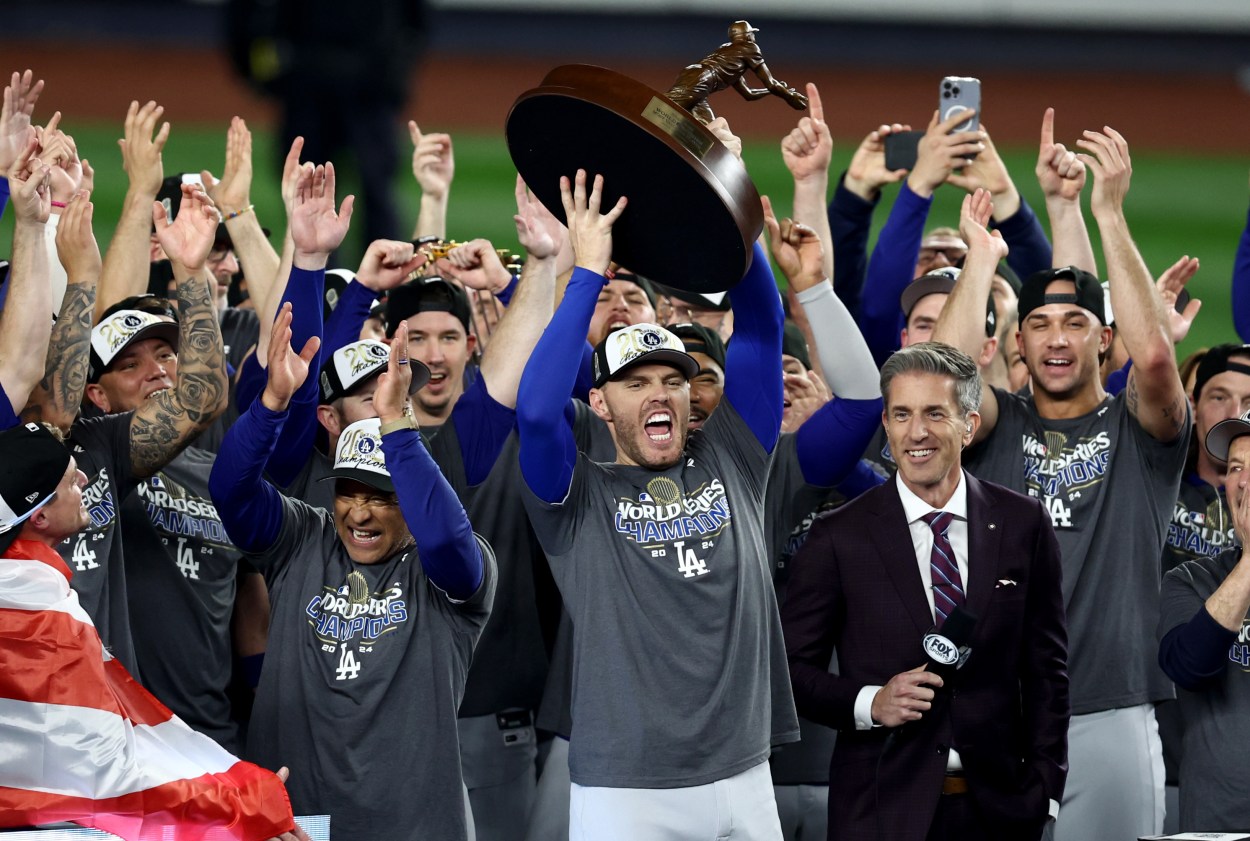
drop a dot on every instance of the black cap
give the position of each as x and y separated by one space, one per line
358 362
942 282
640 344
646 285
794 343
1218 360
426 294
34 464
716 301
1088 296
1222 435
700 339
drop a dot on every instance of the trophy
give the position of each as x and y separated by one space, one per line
693 212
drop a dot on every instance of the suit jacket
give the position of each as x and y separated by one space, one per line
855 587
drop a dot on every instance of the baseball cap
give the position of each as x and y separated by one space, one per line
118 331
357 362
793 343
359 456
716 301
648 287
1221 436
1088 295
336 282
34 464
699 339
640 344
942 282
1218 360
425 294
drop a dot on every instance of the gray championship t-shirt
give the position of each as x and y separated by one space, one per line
1110 488
101 446
1216 719
364 673
679 672
182 569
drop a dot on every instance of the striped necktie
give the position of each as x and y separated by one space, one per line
948 587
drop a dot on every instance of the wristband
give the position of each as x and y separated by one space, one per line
235 214
406 422
58 203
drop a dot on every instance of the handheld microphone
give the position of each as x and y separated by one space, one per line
947 649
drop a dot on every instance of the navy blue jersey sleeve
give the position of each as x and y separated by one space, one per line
585 375
250 508
830 442
892 267
1118 380
850 220
1030 249
348 317
504 296
864 476
4 195
753 359
482 424
1241 285
548 448
449 552
1196 652
8 418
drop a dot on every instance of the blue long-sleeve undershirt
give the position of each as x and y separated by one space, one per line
830 442
753 376
251 509
1197 652
850 220
1241 285
4 195
348 317
1030 249
892 267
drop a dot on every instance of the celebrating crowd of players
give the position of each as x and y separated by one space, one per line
503 555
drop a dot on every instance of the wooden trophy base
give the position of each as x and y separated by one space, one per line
693 212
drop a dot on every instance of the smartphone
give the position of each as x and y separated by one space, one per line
900 149
960 93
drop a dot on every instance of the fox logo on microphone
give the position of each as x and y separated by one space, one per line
942 650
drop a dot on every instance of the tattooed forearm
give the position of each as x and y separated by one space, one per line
1175 413
57 397
170 420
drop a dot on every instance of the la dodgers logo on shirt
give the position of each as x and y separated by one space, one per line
1059 472
675 525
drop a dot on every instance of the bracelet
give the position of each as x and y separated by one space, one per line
58 204
406 422
235 214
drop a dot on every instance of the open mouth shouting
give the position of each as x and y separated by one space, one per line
365 538
659 427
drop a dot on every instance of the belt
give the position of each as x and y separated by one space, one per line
954 784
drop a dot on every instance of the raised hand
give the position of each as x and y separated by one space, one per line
20 96
1170 285
141 151
387 263
731 141
189 238
1060 172
796 248
476 265
29 185
867 174
589 232
808 148
60 153
232 194
1109 161
76 245
391 395
433 161
942 151
540 233
973 217
989 172
292 172
287 369
803 395
316 228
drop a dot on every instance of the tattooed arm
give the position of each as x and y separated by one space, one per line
169 420
55 400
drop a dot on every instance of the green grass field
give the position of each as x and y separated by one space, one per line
1177 206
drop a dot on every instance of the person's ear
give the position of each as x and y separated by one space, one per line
98 397
329 419
599 405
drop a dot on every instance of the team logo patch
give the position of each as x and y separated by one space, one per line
365 446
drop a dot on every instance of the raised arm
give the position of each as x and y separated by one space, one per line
168 421
233 197
268 304
548 450
434 167
58 395
449 552
1155 394
126 262
962 322
807 150
1241 284
26 323
1061 174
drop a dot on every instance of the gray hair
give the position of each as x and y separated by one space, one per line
943 360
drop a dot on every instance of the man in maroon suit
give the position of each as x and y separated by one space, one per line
983 754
